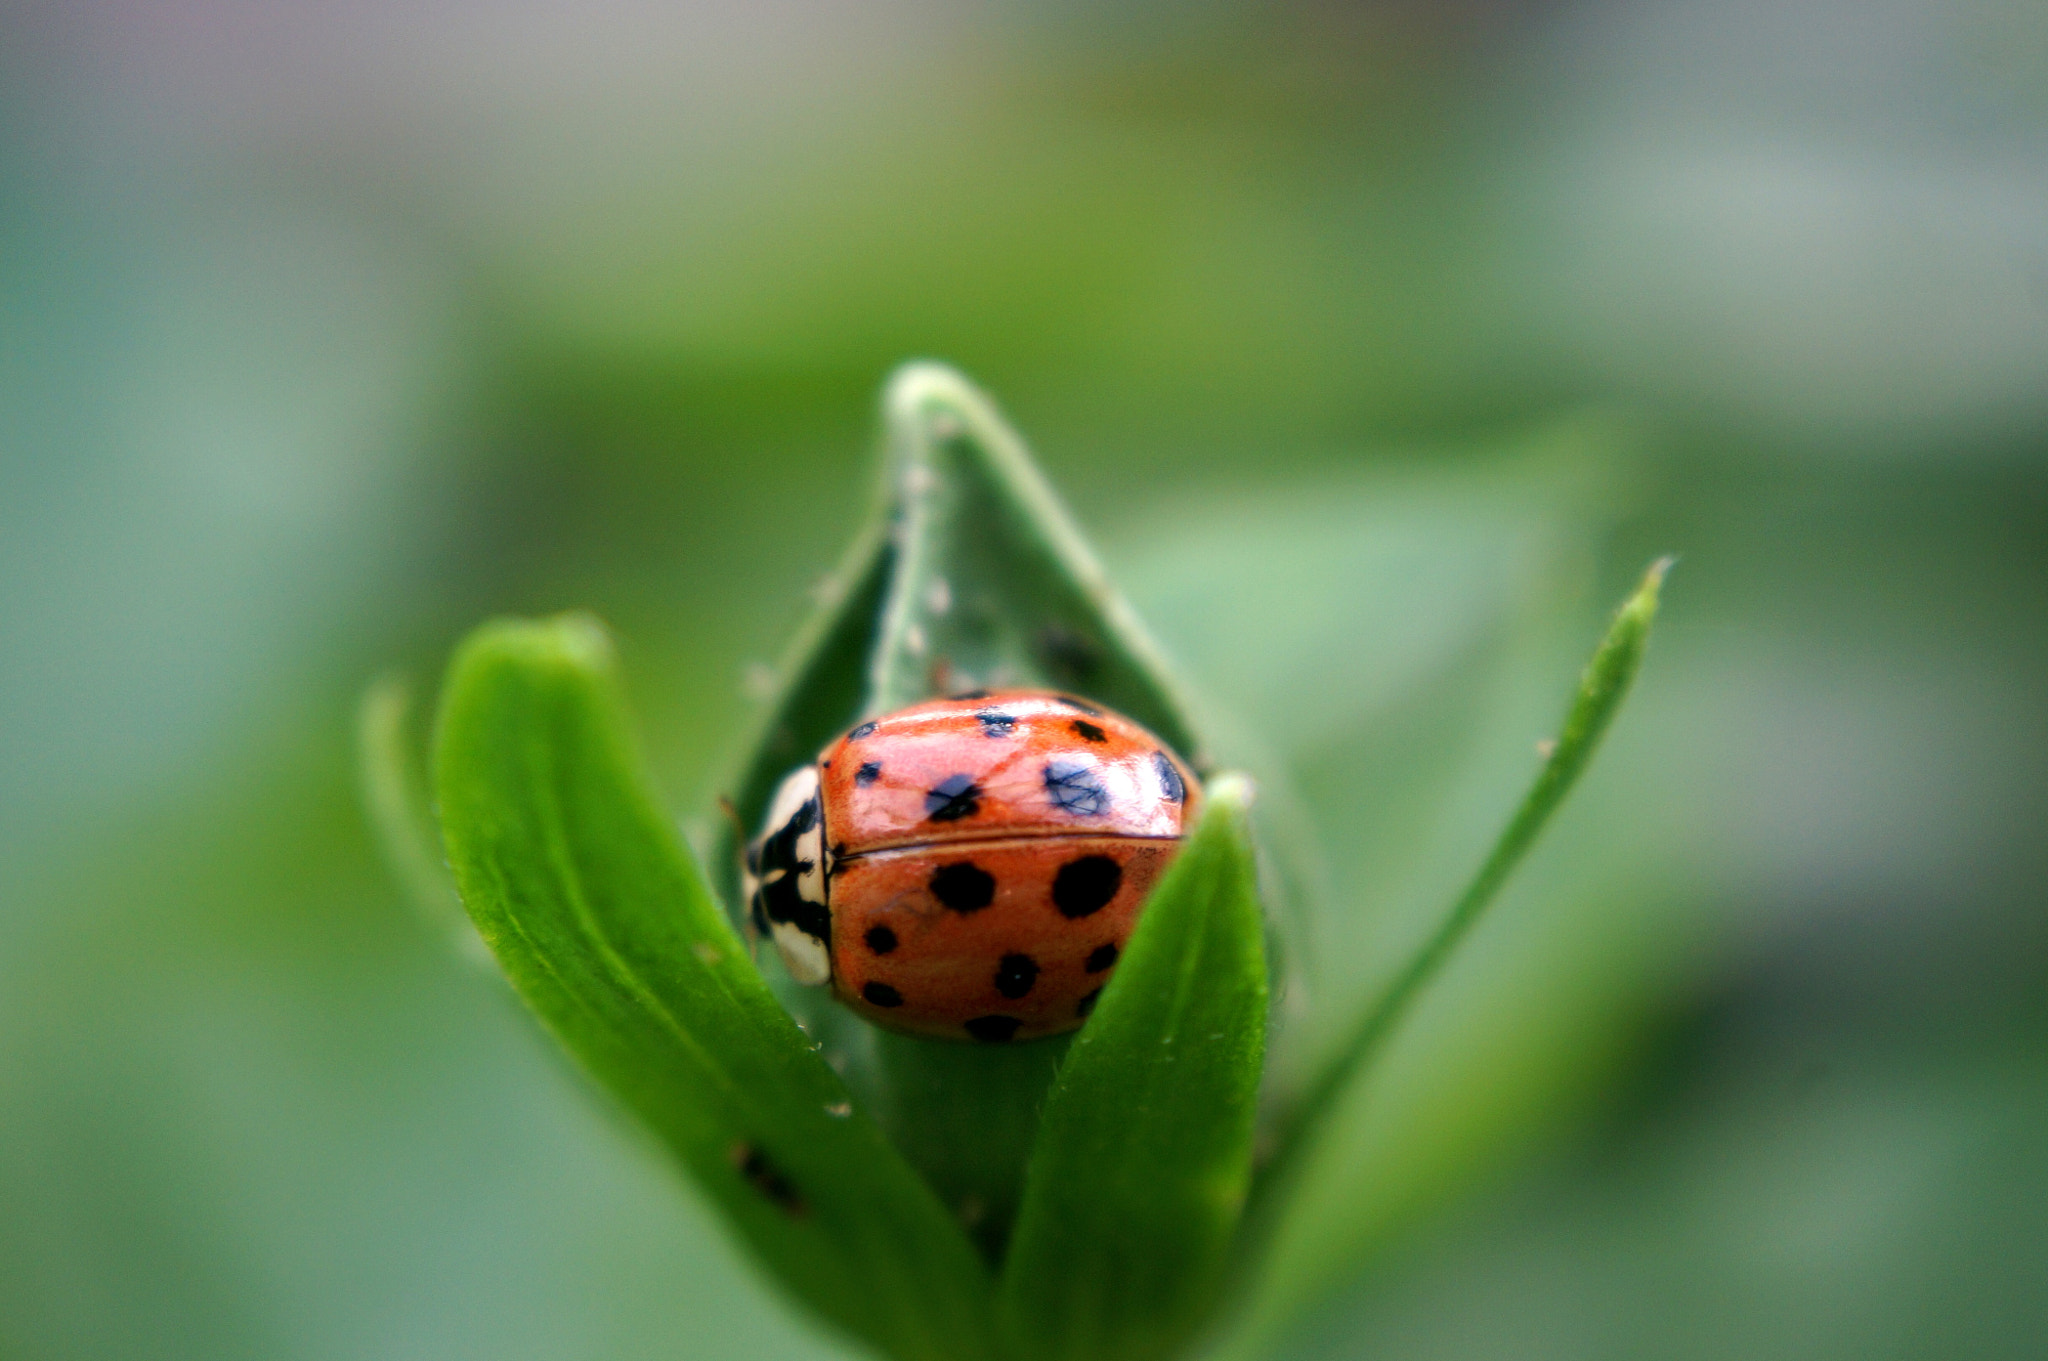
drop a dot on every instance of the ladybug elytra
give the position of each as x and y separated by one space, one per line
970 867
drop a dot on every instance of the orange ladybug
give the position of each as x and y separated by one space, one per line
970 867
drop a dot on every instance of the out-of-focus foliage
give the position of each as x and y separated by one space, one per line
1377 347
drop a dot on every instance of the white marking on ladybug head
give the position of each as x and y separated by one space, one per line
803 954
798 788
788 880
810 864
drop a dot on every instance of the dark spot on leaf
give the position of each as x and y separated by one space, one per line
882 940
994 1029
1074 787
1015 975
953 798
970 694
1086 885
1068 654
963 886
862 731
869 772
1087 1004
1088 731
1102 957
881 995
996 723
764 1177
1170 783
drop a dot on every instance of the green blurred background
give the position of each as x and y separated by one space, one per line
1379 346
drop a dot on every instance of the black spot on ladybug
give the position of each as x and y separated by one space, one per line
862 731
882 940
963 886
953 798
1074 787
836 861
969 694
1087 1004
1088 731
994 1029
996 723
1072 703
1086 885
1170 783
764 1177
1101 957
881 995
869 772
1015 975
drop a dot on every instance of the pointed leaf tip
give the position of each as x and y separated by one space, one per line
1231 792
920 383
1642 604
992 583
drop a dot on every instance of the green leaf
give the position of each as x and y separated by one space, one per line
1602 687
993 585
970 575
577 881
965 1116
1144 1153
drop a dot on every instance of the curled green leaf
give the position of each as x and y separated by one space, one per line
575 878
993 585
1144 1154
1602 687
971 575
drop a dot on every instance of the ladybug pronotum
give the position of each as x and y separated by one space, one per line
971 867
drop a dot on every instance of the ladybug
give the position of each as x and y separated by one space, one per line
970 867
